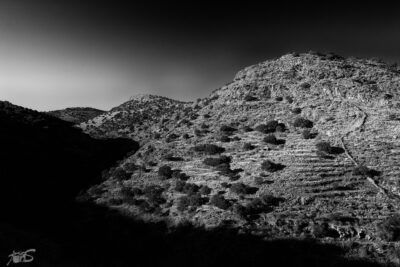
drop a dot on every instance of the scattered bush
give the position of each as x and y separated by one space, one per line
303 123
247 129
220 202
171 137
289 99
170 157
278 98
183 203
250 98
242 189
271 166
121 175
205 190
324 147
296 110
206 116
227 129
217 161
270 127
248 146
307 134
389 229
179 186
165 172
178 174
186 136
154 194
363 170
131 191
209 149
224 139
190 188
305 85
271 139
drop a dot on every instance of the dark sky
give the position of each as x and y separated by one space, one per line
56 54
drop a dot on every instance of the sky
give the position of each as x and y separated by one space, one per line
58 54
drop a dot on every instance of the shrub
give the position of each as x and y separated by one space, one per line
236 138
324 147
198 132
280 127
157 135
258 180
271 166
270 127
250 98
217 161
190 188
303 123
323 230
296 110
153 194
171 137
165 172
248 146
278 98
183 203
178 174
225 185
224 139
289 99
220 202
307 134
241 189
209 149
247 129
170 157
179 186
323 155
121 175
186 136
227 129
206 116
270 200
305 85
271 139
363 170
205 190
389 229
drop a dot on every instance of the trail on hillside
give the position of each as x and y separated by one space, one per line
357 125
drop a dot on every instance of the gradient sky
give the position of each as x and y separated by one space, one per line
56 54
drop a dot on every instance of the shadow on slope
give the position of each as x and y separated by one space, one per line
100 237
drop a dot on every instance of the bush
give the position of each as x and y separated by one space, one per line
241 189
307 134
248 146
220 202
217 161
363 170
296 110
324 147
165 172
389 229
206 116
278 98
178 174
280 127
205 190
271 166
227 129
305 85
186 136
247 129
289 99
190 188
209 149
303 123
179 186
170 157
250 98
183 203
224 139
121 175
171 137
270 127
270 200
271 139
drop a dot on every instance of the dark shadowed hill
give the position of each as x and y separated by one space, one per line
46 162
76 115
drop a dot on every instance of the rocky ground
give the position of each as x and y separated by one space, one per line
305 146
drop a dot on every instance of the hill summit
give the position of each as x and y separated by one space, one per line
305 145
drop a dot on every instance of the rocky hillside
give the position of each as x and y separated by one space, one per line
143 117
302 146
76 115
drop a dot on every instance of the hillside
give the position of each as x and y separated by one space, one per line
305 146
143 117
76 115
